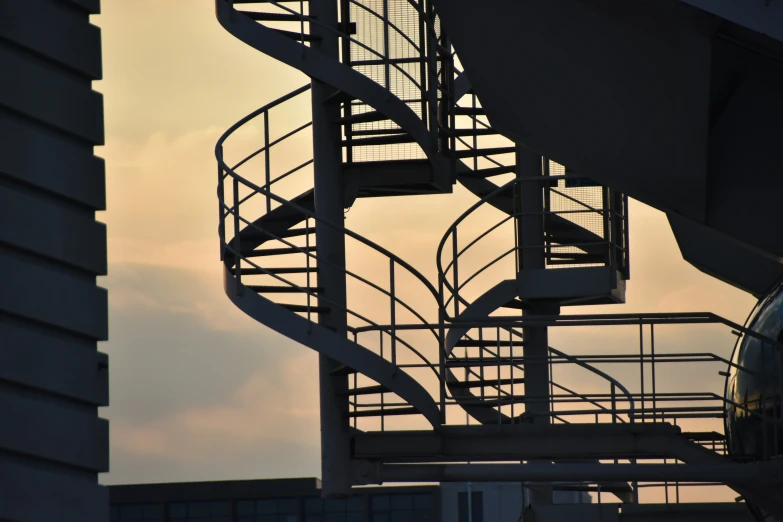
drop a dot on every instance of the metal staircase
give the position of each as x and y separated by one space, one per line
401 356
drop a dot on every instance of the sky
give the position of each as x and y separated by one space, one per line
199 391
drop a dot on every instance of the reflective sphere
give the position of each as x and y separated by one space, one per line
755 387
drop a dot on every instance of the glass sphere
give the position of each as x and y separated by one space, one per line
755 387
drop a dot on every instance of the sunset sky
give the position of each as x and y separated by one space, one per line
199 391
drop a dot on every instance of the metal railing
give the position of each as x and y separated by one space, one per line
241 259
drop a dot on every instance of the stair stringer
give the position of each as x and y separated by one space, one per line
329 343
318 66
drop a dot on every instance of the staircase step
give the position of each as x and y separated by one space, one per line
481 131
366 390
292 232
299 36
492 171
304 308
363 117
384 412
278 270
486 383
377 132
469 111
273 17
491 151
380 140
491 401
279 251
275 289
476 343
380 61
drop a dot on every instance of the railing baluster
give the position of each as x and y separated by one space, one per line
267 154
221 203
393 312
454 268
652 365
237 240
386 46
641 366
307 275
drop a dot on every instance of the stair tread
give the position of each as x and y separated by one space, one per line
486 383
279 270
481 131
299 36
366 390
278 251
273 17
384 412
486 342
380 140
469 111
279 289
305 308
491 151
491 171
363 117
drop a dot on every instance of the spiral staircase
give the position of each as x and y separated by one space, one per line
396 366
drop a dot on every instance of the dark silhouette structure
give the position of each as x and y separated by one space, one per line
52 313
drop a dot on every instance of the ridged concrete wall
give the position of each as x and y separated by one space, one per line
52 313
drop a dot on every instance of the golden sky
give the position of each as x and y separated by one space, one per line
198 390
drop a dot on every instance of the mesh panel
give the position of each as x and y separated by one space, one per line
394 60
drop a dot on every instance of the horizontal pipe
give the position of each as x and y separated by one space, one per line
590 472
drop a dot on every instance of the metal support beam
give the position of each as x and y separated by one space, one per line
532 257
330 244
592 472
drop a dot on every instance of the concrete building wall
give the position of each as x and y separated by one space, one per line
52 313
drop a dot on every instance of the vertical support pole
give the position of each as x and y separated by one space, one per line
536 349
330 245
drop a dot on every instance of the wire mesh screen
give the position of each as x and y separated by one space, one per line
578 222
395 37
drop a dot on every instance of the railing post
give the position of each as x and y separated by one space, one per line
237 240
454 268
393 313
307 275
267 159
652 363
614 403
641 366
221 205
386 47
442 353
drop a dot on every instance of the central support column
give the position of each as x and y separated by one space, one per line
531 257
330 246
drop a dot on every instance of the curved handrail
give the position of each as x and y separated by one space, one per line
232 255
337 32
